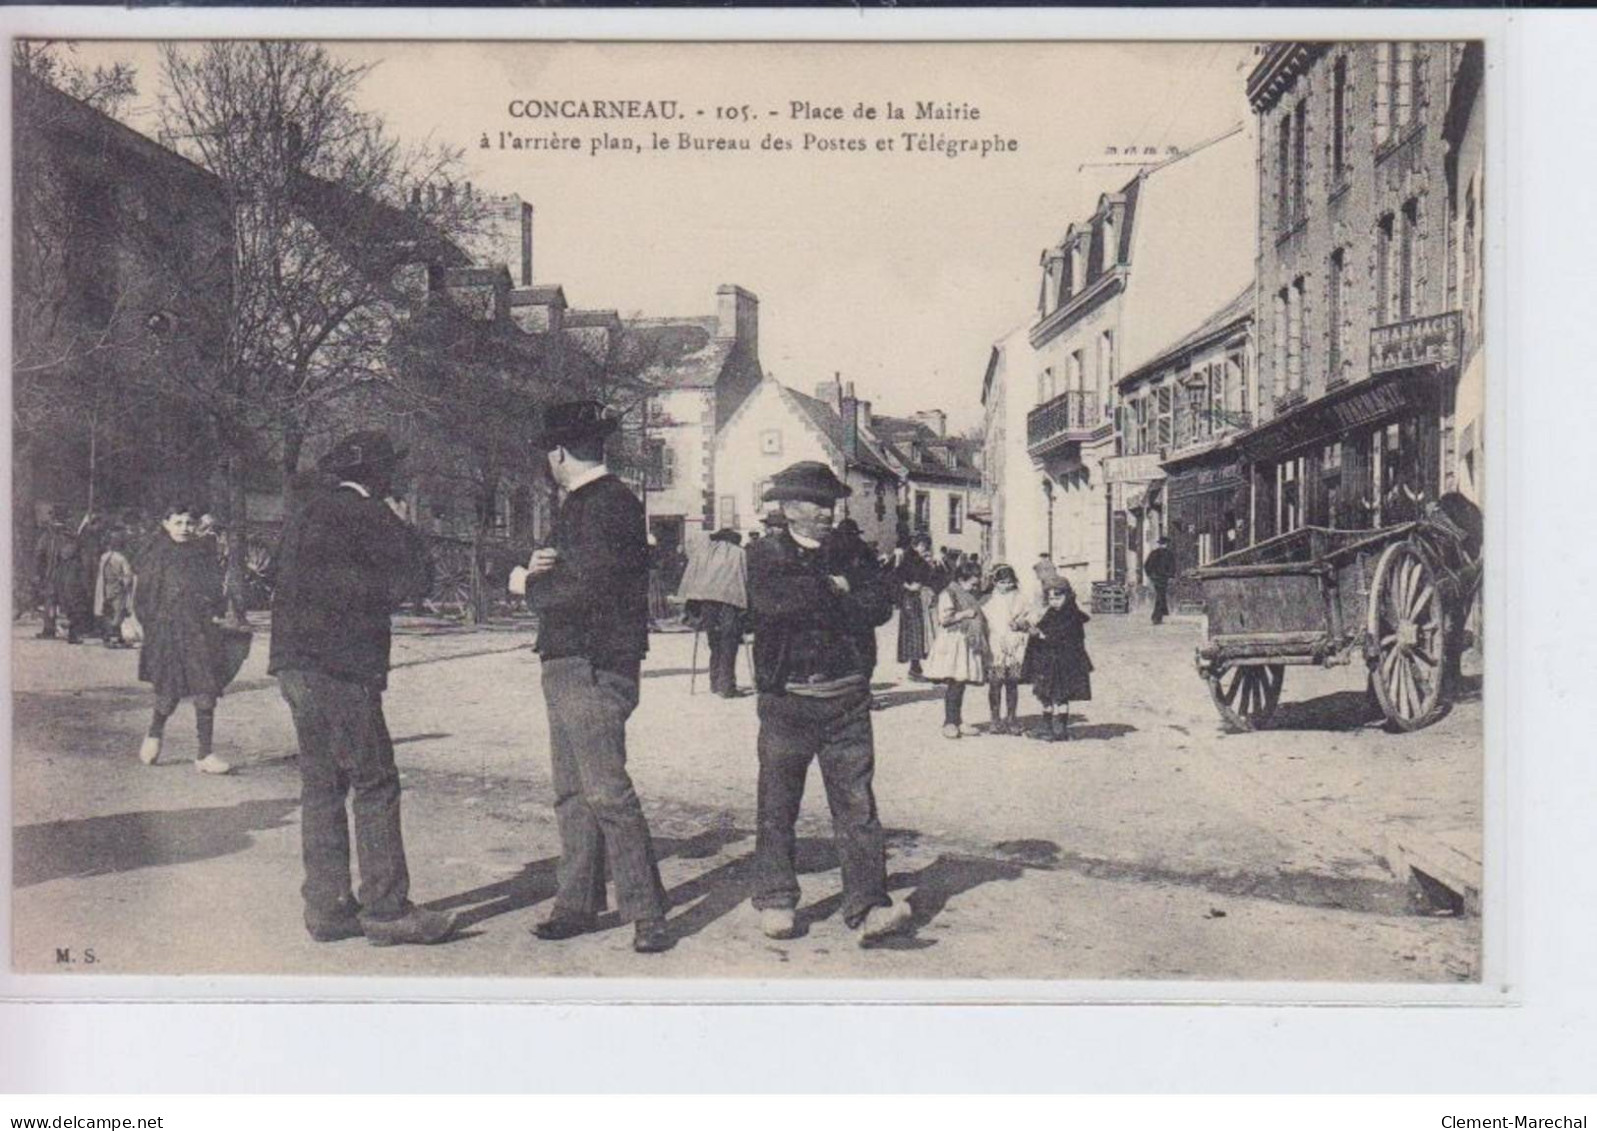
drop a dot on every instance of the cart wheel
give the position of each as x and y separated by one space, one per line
1247 695
1408 638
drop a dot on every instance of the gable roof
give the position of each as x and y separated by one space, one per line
831 426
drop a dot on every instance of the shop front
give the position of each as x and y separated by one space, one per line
1135 487
1361 457
1206 501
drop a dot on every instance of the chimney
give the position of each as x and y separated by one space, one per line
935 419
737 314
849 411
830 393
865 417
526 244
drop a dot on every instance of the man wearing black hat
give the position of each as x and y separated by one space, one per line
591 591
813 673
347 560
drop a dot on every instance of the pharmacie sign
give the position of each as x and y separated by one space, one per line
1129 469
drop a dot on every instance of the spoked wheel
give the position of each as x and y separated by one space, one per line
1247 695
1408 638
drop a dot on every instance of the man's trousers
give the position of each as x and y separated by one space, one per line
596 808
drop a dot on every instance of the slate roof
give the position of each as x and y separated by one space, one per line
926 455
831 425
1236 310
538 296
689 355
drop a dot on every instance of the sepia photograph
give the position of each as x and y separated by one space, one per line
804 512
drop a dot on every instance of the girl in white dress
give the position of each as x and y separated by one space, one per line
959 651
1008 617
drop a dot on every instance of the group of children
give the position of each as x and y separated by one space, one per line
1002 640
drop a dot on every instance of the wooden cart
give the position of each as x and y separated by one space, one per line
1396 596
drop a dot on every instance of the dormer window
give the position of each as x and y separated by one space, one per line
1111 242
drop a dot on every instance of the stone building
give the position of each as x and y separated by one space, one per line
775 426
942 493
1360 281
1152 261
1179 475
118 285
696 372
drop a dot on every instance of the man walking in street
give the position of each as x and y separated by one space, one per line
590 589
812 673
346 562
1159 569
715 595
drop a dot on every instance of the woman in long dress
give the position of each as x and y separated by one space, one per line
916 589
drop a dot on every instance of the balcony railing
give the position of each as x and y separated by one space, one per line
1198 428
1431 340
1070 417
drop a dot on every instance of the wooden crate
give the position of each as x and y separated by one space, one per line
1110 597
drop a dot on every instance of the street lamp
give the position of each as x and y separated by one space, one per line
1048 494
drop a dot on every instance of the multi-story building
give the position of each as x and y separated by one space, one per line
1153 261
699 370
941 491
1359 324
1178 475
1008 478
1465 132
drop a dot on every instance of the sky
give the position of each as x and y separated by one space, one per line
897 269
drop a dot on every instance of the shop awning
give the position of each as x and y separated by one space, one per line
1363 404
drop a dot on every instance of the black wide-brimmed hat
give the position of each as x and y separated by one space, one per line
361 450
807 481
570 421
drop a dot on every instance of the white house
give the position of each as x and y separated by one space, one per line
1152 261
775 426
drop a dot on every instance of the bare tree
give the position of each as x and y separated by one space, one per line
333 223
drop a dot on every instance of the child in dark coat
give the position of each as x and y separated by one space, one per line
1056 660
179 591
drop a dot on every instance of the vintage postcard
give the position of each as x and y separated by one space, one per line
880 512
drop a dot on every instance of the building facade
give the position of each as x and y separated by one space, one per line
776 426
1179 475
1359 324
698 372
941 492
1152 262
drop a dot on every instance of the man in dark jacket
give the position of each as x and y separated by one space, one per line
1159 569
346 562
813 674
590 589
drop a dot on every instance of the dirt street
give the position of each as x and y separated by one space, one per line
1150 846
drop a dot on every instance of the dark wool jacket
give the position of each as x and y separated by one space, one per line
1160 565
344 565
595 602
804 629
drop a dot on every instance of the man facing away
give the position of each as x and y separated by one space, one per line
346 562
590 589
1159 569
813 676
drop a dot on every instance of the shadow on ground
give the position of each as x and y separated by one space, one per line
1341 710
125 842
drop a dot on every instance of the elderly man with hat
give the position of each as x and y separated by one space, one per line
590 587
810 609
346 562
